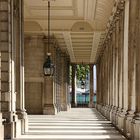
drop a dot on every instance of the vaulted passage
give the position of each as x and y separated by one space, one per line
76 124
57 55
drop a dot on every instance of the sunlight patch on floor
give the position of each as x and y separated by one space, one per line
71 125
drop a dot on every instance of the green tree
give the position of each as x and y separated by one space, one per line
82 71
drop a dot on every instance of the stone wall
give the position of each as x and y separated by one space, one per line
44 95
12 81
34 58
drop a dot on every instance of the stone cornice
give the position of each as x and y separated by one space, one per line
119 6
115 16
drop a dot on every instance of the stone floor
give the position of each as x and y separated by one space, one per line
76 124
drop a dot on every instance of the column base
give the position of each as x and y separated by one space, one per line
98 107
113 115
121 120
108 112
1 128
91 105
128 123
64 107
10 124
136 127
8 128
23 117
69 106
49 109
73 104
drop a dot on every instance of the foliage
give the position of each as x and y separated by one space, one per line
82 71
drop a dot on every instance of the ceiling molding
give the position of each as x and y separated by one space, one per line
74 5
90 9
67 38
32 18
52 8
96 40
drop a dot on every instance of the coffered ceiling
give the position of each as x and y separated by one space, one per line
78 25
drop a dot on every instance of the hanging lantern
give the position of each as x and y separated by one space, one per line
48 66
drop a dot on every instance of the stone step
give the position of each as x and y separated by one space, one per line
68 124
71 125
76 132
71 137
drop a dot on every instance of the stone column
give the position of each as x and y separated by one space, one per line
136 43
64 85
0 81
1 126
19 29
99 102
105 79
102 82
108 107
103 97
114 50
114 63
124 60
7 40
116 67
111 75
91 103
59 79
2 49
120 66
130 26
97 87
49 106
101 89
104 93
62 97
73 97
106 73
68 82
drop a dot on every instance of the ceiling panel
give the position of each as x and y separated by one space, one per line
53 13
78 25
53 3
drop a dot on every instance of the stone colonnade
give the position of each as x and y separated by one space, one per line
118 70
22 72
